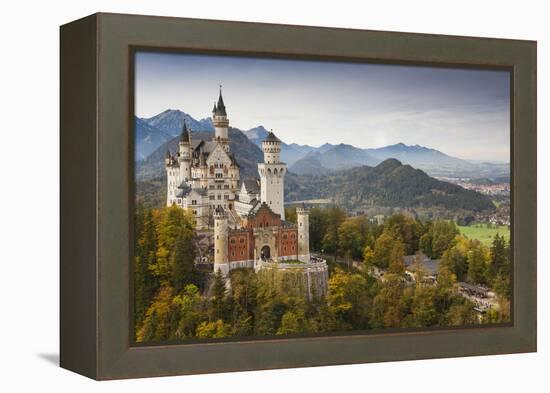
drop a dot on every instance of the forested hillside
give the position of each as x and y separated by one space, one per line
387 184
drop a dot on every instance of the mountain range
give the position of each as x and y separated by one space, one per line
390 184
156 134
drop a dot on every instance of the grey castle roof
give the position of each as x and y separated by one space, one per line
251 186
271 138
202 149
219 108
184 132
185 189
257 208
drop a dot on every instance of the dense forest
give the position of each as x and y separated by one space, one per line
175 300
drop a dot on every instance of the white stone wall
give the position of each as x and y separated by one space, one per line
172 179
221 127
303 234
220 243
272 186
185 162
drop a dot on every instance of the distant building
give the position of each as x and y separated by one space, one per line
429 266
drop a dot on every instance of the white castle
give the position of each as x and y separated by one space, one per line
248 216
204 175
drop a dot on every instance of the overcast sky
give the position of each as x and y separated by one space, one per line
462 112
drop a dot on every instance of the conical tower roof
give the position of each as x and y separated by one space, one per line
219 108
184 132
272 138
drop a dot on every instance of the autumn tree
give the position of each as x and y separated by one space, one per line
387 248
477 263
395 263
386 310
293 322
145 284
172 222
334 218
349 299
191 311
218 308
349 238
156 325
443 235
216 329
368 258
290 214
182 261
500 267
409 231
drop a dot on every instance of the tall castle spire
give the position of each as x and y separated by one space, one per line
184 132
219 108
221 122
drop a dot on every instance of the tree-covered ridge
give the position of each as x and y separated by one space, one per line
387 184
174 300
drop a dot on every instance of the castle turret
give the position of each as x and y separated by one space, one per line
172 177
302 214
185 154
272 172
221 260
221 122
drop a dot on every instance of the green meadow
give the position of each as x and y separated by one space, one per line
484 234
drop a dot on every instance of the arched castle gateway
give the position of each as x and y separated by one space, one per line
248 216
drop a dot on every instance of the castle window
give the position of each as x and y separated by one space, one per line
211 197
219 197
219 187
226 196
242 252
233 253
300 224
194 202
232 241
241 240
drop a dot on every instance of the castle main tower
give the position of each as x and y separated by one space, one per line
221 122
272 173
185 154
302 214
221 260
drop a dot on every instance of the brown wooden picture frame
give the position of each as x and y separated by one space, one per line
97 193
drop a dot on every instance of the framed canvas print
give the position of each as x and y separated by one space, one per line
240 196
